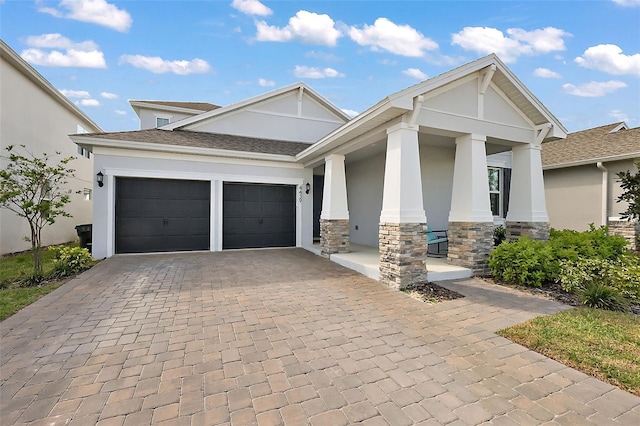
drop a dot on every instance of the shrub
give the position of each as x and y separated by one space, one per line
499 235
594 243
70 260
603 297
622 274
525 261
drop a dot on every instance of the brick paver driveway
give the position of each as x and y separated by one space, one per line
281 336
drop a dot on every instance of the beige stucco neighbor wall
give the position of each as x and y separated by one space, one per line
30 116
573 197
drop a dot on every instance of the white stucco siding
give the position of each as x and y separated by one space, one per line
171 166
365 181
498 110
269 125
436 164
450 100
30 116
148 117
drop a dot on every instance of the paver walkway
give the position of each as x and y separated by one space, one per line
281 336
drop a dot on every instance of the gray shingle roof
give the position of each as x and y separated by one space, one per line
200 106
592 145
204 140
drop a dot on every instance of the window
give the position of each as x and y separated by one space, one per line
161 121
495 190
84 152
87 194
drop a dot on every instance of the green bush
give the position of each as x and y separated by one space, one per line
622 274
499 235
591 244
524 261
70 260
604 297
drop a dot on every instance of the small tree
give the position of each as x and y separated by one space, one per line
33 188
630 184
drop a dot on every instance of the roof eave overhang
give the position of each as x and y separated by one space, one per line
90 143
620 157
157 107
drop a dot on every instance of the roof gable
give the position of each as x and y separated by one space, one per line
294 112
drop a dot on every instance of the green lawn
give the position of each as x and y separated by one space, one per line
600 343
14 268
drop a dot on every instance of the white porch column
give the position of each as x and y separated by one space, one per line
527 206
334 218
402 232
470 218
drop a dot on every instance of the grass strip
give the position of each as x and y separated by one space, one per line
603 344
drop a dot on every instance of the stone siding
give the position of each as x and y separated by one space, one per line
334 236
533 230
630 230
403 253
470 244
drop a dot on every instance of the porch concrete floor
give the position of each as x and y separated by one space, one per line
366 260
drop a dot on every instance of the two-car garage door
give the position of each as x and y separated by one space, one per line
160 215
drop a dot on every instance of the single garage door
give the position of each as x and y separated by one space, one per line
155 215
256 215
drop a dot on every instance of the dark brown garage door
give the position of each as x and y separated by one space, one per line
156 215
256 215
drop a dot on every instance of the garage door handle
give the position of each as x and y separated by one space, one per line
260 221
165 221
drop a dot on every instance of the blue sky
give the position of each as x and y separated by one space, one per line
580 58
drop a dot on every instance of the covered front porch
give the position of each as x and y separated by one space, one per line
366 260
417 160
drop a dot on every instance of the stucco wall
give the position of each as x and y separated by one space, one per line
573 196
614 208
168 166
365 181
29 116
148 117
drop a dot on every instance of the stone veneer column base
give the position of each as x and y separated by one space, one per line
629 229
470 244
334 236
533 230
403 252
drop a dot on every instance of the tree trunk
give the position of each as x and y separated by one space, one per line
37 253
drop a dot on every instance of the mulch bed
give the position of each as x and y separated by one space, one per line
430 292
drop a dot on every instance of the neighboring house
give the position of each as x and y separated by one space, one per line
581 185
249 174
155 114
35 114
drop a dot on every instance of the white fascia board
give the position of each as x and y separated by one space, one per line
28 71
341 134
631 156
88 142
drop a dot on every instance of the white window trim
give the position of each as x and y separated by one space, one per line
162 117
499 191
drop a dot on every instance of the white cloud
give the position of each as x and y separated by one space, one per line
266 83
82 94
618 115
302 71
627 3
322 56
71 58
84 54
351 113
157 65
546 73
397 39
94 11
415 73
120 112
306 27
251 7
517 42
90 102
108 95
593 89
609 58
